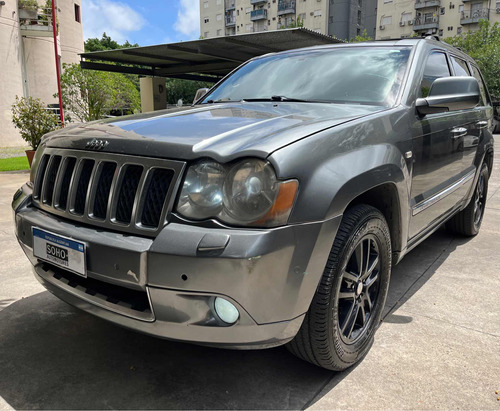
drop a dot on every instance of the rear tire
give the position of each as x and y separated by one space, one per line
468 221
345 312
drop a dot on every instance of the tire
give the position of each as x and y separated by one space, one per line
468 221
320 339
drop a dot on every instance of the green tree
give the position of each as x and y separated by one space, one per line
105 43
89 94
483 46
183 89
361 37
33 120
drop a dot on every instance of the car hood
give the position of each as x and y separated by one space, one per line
220 131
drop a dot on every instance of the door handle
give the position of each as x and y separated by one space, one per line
482 124
458 132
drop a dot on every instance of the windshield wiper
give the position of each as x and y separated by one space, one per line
220 101
284 98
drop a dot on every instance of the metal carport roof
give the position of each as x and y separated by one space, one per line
206 59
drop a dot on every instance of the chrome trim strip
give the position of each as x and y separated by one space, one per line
418 208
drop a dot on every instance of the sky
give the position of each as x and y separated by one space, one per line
145 22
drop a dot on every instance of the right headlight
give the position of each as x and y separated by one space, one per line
245 193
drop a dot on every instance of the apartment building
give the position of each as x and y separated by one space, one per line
343 19
446 18
27 54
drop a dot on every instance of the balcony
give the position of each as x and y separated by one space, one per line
472 17
258 1
35 22
426 23
230 5
230 21
260 14
422 4
286 7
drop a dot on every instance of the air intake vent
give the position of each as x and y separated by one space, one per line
118 192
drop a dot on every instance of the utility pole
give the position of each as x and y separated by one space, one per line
54 31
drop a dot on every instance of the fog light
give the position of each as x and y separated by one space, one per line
226 311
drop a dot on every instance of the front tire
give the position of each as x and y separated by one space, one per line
345 312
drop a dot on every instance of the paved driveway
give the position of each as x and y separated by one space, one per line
438 347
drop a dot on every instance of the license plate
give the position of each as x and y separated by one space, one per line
61 251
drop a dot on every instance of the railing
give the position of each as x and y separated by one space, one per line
286 7
473 16
420 4
230 20
422 23
258 1
258 14
36 22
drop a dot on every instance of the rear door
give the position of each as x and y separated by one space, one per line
440 177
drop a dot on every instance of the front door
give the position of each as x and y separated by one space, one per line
439 178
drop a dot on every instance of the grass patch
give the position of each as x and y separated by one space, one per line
14 163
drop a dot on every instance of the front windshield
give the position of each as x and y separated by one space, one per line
350 75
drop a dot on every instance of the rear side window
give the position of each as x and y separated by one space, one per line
436 67
460 66
477 75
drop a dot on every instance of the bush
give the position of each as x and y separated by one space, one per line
28 4
32 119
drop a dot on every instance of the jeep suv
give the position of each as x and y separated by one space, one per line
271 211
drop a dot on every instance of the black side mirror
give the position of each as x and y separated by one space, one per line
448 94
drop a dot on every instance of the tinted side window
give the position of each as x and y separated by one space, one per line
436 67
460 67
475 73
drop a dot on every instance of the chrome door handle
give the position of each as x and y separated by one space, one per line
458 132
482 124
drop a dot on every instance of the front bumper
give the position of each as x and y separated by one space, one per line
270 275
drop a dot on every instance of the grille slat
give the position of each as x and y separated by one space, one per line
69 168
83 186
156 194
103 189
112 191
50 180
128 190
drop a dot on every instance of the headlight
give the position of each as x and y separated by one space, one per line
245 193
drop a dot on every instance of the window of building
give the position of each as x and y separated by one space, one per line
359 16
205 4
219 17
317 13
249 27
206 19
219 32
461 8
460 66
443 9
435 67
205 35
440 32
302 16
387 1
405 17
360 3
358 31
459 30
77 13
386 20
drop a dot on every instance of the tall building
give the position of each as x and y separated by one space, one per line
446 18
343 19
27 59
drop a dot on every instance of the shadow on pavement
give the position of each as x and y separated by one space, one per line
55 357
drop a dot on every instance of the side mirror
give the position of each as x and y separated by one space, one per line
448 94
200 93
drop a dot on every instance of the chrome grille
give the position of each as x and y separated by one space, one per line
124 193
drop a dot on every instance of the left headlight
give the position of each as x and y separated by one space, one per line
245 193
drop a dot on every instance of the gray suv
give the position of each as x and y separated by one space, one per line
272 210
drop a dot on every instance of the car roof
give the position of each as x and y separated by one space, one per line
409 42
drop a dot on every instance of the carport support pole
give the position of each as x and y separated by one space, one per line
58 73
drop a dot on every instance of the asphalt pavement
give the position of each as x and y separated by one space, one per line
437 348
